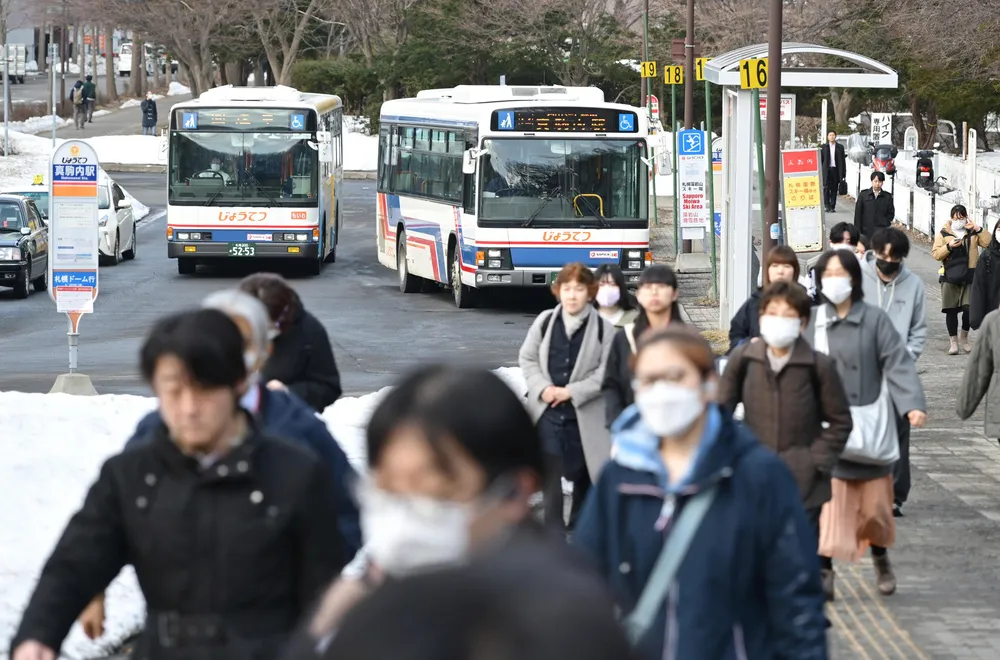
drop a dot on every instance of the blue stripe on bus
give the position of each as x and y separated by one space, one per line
540 257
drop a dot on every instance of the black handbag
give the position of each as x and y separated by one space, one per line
842 188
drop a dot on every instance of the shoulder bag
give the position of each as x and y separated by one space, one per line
873 440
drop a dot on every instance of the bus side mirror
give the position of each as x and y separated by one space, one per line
325 141
470 160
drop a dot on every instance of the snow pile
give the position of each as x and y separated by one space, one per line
31 66
74 68
177 89
360 148
126 149
54 445
135 103
38 124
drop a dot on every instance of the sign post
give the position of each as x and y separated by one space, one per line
73 257
802 192
54 53
693 156
673 77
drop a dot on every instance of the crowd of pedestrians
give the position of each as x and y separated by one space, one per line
709 499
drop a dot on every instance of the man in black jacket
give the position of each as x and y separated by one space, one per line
228 528
834 169
874 209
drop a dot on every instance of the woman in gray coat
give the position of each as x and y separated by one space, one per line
867 350
562 360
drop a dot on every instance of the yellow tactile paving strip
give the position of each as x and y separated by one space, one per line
863 627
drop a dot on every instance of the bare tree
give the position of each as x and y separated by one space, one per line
378 27
280 25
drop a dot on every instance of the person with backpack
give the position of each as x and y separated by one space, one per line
788 392
90 97
563 360
957 247
697 526
78 97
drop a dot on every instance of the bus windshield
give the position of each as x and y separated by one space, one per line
243 168
563 179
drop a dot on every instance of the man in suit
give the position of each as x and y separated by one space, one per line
874 209
834 168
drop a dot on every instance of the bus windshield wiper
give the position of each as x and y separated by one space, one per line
215 195
260 186
531 218
596 209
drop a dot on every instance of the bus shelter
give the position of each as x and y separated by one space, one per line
738 152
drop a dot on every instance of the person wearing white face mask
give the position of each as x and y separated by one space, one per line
957 247
693 493
614 301
793 399
880 378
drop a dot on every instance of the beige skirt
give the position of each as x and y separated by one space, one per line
858 515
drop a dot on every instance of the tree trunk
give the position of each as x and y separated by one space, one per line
110 76
258 72
233 73
134 84
95 45
842 99
169 73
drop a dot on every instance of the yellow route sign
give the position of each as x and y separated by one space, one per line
753 73
38 180
699 67
673 75
648 69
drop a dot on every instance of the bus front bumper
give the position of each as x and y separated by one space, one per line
220 250
534 277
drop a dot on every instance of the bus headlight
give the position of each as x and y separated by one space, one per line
634 254
302 237
493 254
634 265
183 237
495 263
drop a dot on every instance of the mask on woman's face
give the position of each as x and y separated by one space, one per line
608 295
958 227
837 289
779 331
669 410
215 167
408 534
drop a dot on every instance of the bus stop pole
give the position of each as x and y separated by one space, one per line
711 187
673 150
762 193
649 108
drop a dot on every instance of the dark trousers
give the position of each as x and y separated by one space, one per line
901 470
951 320
831 187
554 501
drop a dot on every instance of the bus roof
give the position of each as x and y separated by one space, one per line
472 105
248 97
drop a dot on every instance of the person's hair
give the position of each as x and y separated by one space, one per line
878 175
498 607
282 302
838 231
626 300
688 341
792 293
895 238
657 274
241 304
206 341
863 241
575 272
959 210
89 77
850 264
471 407
782 254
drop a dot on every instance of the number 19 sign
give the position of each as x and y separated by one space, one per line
73 229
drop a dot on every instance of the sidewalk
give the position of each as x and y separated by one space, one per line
120 121
946 552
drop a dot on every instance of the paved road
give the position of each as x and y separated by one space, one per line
121 122
948 544
38 88
377 331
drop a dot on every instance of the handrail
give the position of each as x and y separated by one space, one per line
600 201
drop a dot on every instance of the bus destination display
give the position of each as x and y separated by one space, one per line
242 119
565 120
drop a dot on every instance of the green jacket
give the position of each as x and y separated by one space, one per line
89 91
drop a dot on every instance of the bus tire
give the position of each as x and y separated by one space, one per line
407 283
186 266
465 297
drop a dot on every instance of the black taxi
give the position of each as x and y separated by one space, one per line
24 246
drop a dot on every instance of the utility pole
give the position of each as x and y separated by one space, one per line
772 157
689 82
643 84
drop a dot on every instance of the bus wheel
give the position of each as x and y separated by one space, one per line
186 266
465 296
407 283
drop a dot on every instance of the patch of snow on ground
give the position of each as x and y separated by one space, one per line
38 124
135 103
177 89
126 149
54 446
360 149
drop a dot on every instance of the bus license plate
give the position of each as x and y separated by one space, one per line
241 249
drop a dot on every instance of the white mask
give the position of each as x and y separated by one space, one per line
842 246
958 228
778 331
669 410
406 534
215 167
837 289
608 296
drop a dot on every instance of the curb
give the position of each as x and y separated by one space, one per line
684 314
162 169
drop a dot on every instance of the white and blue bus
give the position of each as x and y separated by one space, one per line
500 186
254 172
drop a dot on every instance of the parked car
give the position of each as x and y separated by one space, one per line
24 246
116 222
